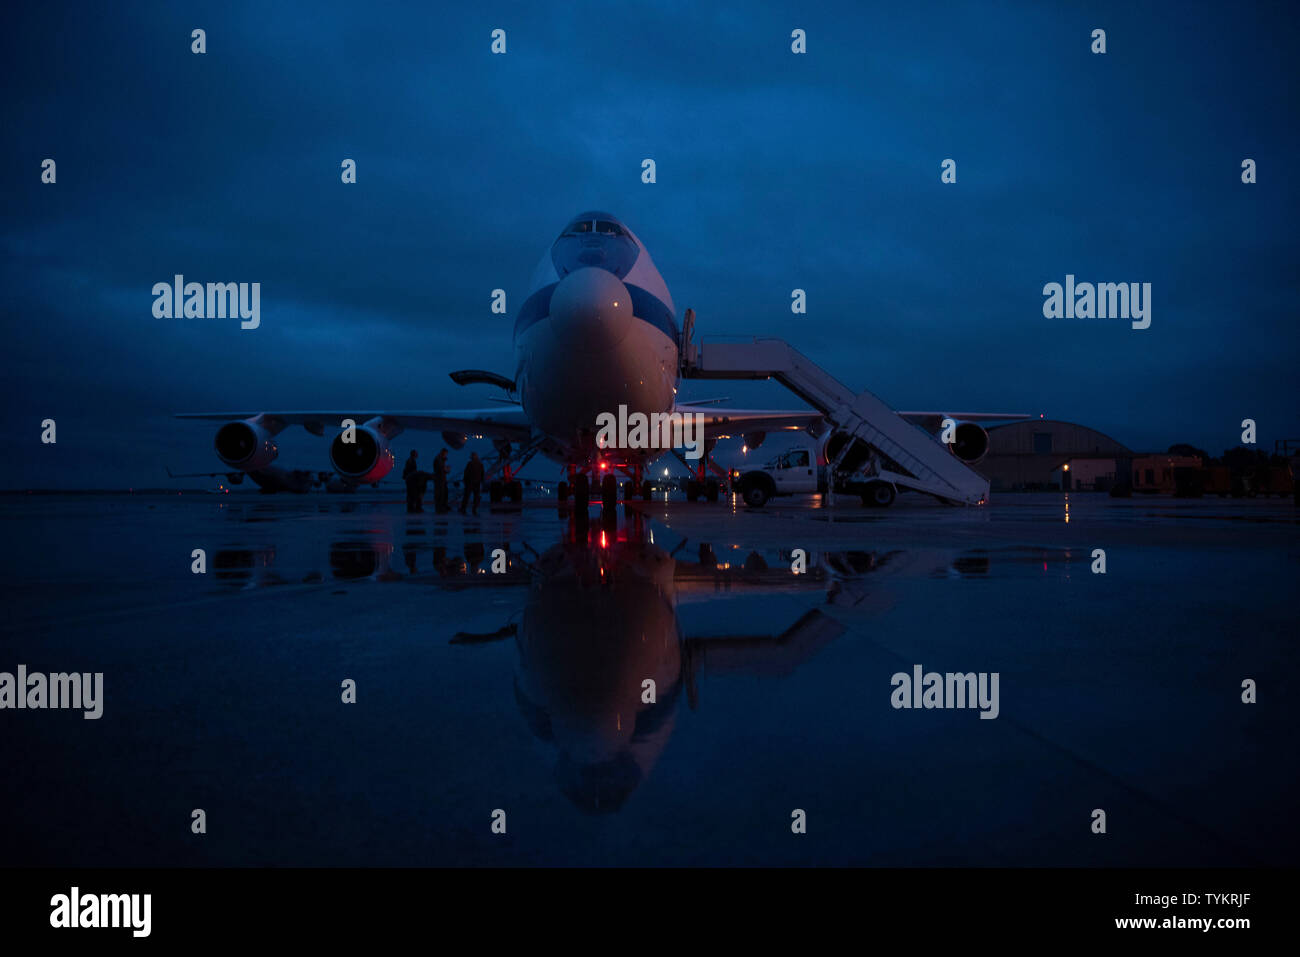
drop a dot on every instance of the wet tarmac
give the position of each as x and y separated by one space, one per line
517 681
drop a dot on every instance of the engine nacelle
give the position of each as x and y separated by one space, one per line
246 445
456 440
365 459
969 443
754 439
855 458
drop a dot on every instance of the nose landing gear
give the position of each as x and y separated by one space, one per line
579 486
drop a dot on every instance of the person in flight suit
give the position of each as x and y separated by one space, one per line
440 472
473 478
416 483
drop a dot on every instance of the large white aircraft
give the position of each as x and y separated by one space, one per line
597 332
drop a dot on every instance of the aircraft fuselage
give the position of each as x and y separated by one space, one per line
597 331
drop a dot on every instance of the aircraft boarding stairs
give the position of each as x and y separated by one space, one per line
927 464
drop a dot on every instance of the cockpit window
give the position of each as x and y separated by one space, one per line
606 227
579 227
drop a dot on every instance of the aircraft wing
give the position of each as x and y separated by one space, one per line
233 475
729 423
498 422
932 420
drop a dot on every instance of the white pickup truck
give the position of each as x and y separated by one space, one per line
797 472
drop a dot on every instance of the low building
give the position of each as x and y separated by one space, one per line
1158 473
1047 453
1087 473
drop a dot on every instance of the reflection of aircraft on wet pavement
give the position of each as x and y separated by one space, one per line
598 335
602 660
599 619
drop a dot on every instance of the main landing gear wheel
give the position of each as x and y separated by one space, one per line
581 492
645 490
515 490
711 490
879 495
609 492
562 493
494 491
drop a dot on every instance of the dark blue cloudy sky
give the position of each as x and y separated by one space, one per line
775 171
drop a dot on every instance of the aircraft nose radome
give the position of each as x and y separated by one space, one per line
591 308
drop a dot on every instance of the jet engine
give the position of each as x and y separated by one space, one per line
456 440
856 456
367 458
969 442
754 439
246 445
